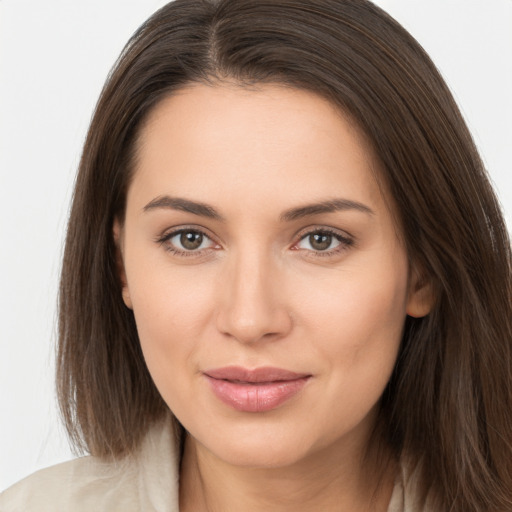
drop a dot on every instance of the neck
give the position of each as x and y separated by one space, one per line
333 480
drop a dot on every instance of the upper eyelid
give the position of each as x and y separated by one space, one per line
164 240
323 229
345 240
168 233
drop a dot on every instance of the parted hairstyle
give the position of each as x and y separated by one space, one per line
449 401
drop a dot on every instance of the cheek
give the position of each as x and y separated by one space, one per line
170 304
356 319
356 328
173 309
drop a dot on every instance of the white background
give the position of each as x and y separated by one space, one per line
54 57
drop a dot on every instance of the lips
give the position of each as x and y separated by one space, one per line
258 390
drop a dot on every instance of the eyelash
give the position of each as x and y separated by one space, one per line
164 240
345 242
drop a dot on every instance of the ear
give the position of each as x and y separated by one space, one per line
421 295
117 231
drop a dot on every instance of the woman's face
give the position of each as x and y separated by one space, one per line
265 272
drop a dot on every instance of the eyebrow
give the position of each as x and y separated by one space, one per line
184 205
205 210
329 206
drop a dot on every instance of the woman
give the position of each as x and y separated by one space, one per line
287 281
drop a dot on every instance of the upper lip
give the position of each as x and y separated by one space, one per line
262 374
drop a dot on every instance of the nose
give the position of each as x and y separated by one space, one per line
253 305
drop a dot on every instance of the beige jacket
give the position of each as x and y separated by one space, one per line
146 482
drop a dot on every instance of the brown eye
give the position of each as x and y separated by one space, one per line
186 242
191 240
320 241
324 242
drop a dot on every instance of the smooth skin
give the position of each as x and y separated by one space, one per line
256 235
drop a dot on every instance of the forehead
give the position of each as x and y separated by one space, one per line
269 142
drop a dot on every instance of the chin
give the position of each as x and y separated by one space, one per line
261 456
261 445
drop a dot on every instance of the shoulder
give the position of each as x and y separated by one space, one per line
146 481
68 486
407 494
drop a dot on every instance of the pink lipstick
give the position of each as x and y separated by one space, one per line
258 390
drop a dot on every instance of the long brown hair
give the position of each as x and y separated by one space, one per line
449 401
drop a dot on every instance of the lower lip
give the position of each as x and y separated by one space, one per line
256 397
